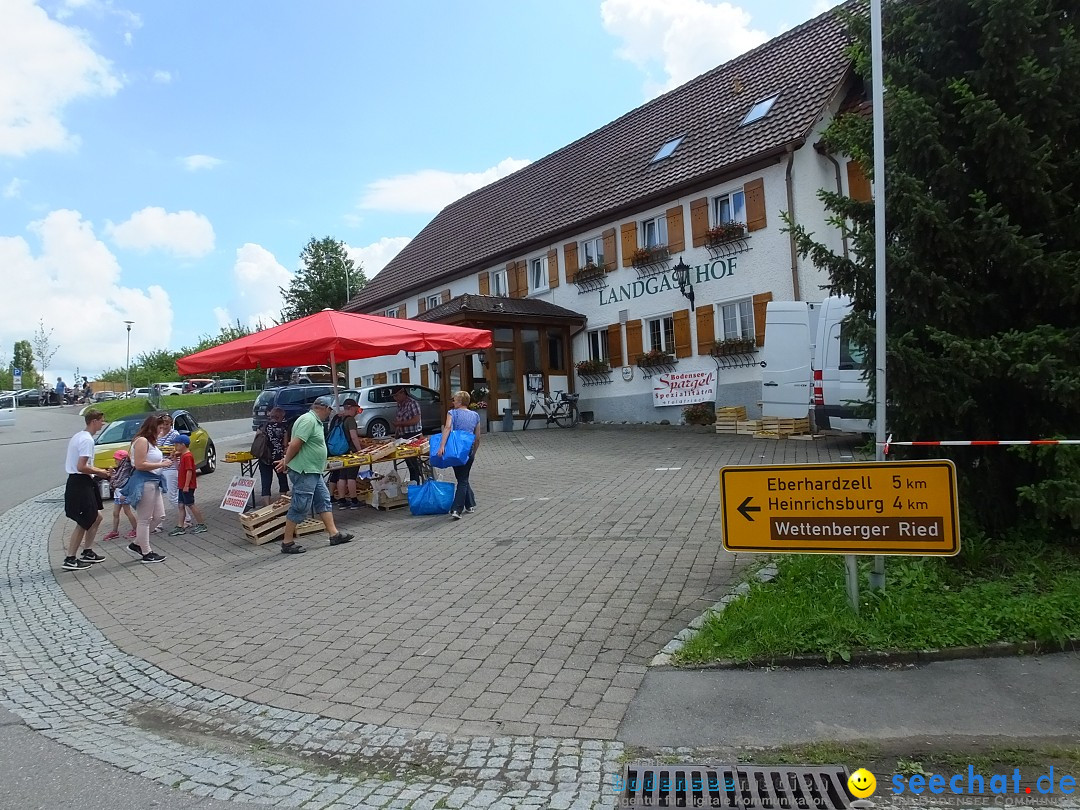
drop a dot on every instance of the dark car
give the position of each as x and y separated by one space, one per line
293 399
221 386
32 396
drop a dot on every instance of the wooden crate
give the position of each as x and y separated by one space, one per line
266 524
749 427
729 412
378 500
773 427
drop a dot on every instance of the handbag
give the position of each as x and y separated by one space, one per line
458 447
431 497
260 446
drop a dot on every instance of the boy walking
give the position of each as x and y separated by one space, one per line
186 484
82 498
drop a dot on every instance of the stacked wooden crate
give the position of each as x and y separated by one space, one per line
268 524
727 419
774 427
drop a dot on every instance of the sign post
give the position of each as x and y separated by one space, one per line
16 378
238 493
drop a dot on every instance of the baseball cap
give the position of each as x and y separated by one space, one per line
349 403
326 402
182 439
120 455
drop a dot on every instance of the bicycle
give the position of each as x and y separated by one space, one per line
560 409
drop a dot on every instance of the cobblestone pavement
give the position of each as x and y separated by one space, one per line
485 662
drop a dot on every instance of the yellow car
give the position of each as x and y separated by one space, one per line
119 434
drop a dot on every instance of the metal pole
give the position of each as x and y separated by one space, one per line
852 569
127 360
877 576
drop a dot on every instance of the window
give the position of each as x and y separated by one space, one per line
667 150
729 208
394 377
662 334
592 252
736 320
367 381
391 313
538 274
598 345
498 283
433 301
654 232
759 111
555 351
852 355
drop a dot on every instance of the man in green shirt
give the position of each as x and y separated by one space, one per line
305 460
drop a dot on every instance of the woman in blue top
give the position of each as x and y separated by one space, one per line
461 418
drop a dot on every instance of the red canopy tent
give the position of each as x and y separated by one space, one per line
334 336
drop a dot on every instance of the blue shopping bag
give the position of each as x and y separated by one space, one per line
431 497
458 446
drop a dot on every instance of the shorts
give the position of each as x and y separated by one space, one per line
119 498
186 497
344 474
309 494
82 500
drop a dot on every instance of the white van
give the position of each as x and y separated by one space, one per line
810 361
7 410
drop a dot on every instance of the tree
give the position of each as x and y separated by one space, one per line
23 359
44 351
326 272
982 183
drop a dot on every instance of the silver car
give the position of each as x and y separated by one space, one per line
378 409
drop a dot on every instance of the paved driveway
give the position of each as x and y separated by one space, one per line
536 615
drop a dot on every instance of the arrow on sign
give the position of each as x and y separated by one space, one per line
744 508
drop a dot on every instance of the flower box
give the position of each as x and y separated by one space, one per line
654 358
649 255
725 232
722 348
593 367
590 271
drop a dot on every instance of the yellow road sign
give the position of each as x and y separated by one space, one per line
874 507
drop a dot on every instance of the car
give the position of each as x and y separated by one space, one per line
7 409
196 384
168 389
118 434
221 386
30 397
105 396
378 408
305 375
293 399
138 392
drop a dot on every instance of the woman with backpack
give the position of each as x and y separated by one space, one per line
268 448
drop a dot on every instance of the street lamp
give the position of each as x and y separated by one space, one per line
127 363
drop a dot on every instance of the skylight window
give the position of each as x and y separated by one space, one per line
667 149
759 110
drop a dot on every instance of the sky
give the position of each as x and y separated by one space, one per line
166 163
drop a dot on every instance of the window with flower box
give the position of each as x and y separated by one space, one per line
598 345
592 252
729 208
736 320
654 232
661 334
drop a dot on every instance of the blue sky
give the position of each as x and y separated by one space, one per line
166 163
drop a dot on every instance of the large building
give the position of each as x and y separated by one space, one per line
645 250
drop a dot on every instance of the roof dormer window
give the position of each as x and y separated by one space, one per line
759 110
667 150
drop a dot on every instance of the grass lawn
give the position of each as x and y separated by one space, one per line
116 408
1006 591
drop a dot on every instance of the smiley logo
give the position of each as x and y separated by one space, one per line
862 784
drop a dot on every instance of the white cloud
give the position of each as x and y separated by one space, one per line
44 65
13 189
430 190
74 285
673 41
184 233
377 255
257 279
195 162
162 76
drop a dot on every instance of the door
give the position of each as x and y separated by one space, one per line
7 411
843 385
785 378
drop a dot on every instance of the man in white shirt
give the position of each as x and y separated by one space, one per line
82 498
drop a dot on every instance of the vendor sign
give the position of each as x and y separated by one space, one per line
238 493
684 388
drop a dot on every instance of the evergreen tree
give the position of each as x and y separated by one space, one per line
983 235
327 278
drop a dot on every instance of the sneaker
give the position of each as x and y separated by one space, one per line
470 509
354 504
153 557
199 528
340 537
131 535
156 530
92 556
75 564
292 548
110 536
177 531
133 548
455 515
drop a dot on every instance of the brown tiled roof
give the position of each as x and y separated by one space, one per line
495 305
609 170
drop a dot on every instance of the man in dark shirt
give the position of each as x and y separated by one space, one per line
346 479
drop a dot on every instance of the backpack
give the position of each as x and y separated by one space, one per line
260 446
337 443
121 474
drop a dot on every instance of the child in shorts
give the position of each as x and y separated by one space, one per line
185 488
120 503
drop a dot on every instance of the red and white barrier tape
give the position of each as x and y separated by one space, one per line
977 443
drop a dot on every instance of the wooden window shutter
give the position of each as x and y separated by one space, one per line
424 376
682 333
761 302
858 183
676 234
485 283
755 204
633 341
569 252
553 268
380 378
706 329
445 297
629 243
611 261
522 271
421 305
405 375
512 280
403 311
614 345
699 221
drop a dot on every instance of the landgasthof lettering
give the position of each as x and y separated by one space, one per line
819 484
667 281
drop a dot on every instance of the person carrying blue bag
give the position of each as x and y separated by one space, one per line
461 419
